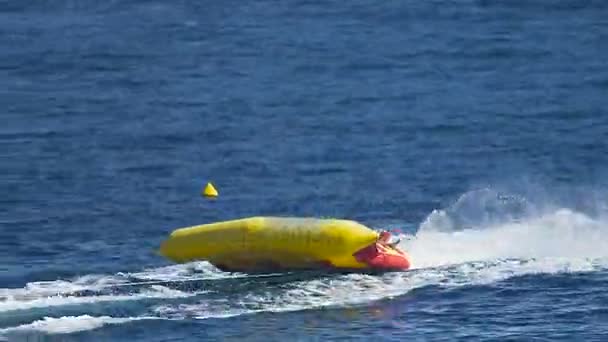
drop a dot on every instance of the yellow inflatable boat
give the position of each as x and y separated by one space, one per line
275 243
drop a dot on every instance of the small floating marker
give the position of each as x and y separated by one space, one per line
210 191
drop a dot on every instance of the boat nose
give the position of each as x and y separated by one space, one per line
167 249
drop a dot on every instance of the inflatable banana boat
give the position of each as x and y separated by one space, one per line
279 243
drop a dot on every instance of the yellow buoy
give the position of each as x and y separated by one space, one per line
210 191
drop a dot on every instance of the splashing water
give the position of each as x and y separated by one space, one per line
562 234
512 229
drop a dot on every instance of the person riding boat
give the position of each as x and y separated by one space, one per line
386 239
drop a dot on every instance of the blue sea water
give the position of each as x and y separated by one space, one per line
477 128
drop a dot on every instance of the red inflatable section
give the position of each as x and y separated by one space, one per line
381 256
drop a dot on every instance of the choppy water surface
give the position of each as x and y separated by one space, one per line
476 129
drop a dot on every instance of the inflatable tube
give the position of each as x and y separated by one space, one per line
271 243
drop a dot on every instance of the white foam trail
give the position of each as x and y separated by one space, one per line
356 289
188 272
58 287
65 292
154 292
198 270
96 282
70 324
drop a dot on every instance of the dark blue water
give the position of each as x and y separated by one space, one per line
478 128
